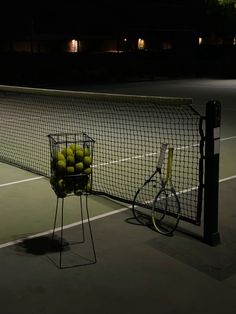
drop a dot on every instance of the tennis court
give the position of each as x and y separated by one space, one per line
127 253
128 133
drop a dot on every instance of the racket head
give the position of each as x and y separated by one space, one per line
142 202
166 211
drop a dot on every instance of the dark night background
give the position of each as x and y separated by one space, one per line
99 17
33 39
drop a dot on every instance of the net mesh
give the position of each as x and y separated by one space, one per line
128 133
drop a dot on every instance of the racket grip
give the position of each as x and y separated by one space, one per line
170 162
161 156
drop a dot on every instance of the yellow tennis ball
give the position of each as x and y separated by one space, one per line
60 188
60 167
67 151
87 171
60 185
70 160
70 170
88 187
58 156
74 147
79 167
87 161
79 154
87 151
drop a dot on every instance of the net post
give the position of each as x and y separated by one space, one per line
211 234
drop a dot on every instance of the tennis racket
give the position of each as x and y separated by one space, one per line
166 210
143 199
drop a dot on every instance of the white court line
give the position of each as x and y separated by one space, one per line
114 162
227 179
21 181
155 153
64 227
11 243
228 138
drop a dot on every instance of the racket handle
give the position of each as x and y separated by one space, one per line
170 162
162 156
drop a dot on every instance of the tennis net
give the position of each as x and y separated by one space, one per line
128 132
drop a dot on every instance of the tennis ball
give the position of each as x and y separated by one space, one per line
87 161
58 156
70 160
70 170
60 188
74 147
61 167
79 154
67 151
87 151
87 171
79 167
60 184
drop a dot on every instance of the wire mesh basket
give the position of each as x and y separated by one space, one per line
71 163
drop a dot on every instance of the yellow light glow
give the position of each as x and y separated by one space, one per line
234 41
141 44
73 45
166 45
199 40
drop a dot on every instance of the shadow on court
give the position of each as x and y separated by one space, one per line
187 247
217 262
136 267
41 245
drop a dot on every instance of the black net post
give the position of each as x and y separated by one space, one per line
211 234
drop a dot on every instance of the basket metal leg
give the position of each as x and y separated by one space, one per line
61 231
82 217
55 219
90 229
61 245
62 224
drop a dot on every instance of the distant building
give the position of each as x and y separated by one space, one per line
149 25
91 41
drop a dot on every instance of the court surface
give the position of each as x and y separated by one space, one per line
136 268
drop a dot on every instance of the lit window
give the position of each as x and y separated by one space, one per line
166 45
73 45
141 44
200 40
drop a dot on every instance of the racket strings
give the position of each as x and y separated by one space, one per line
157 200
